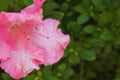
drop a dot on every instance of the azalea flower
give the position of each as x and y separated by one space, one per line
27 41
22 62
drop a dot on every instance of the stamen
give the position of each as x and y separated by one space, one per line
16 24
36 28
13 27
28 37
47 37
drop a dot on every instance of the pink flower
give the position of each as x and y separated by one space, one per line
34 11
27 41
34 8
5 51
52 40
23 61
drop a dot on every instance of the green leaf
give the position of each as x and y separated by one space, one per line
115 4
69 14
5 76
117 76
74 58
108 48
80 8
87 3
49 7
117 40
96 42
107 35
107 3
61 67
90 29
27 2
67 73
47 72
53 78
88 55
73 26
3 5
105 18
99 5
49 0
97 2
94 16
17 7
30 77
57 15
64 7
118 13
83 18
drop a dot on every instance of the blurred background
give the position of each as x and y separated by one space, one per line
94 50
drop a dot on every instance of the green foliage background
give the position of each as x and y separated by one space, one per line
94 50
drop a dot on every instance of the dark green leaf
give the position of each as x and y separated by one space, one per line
49 7
80 8
107 35
27 2
64 7
83 18
88 55
73 26
4 5
57 15
89 29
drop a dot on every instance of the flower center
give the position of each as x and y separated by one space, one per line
20 30
14 26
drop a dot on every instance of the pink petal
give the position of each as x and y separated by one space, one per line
35 7
18 55
52 40
34 11
4 26
24 26
22 62
15 17
5 51
38 3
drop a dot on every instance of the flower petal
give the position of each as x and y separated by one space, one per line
35 7
34 11
5 51
22 62
4 25
52 40
38 3
15 17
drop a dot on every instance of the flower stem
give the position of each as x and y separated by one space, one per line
81 70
